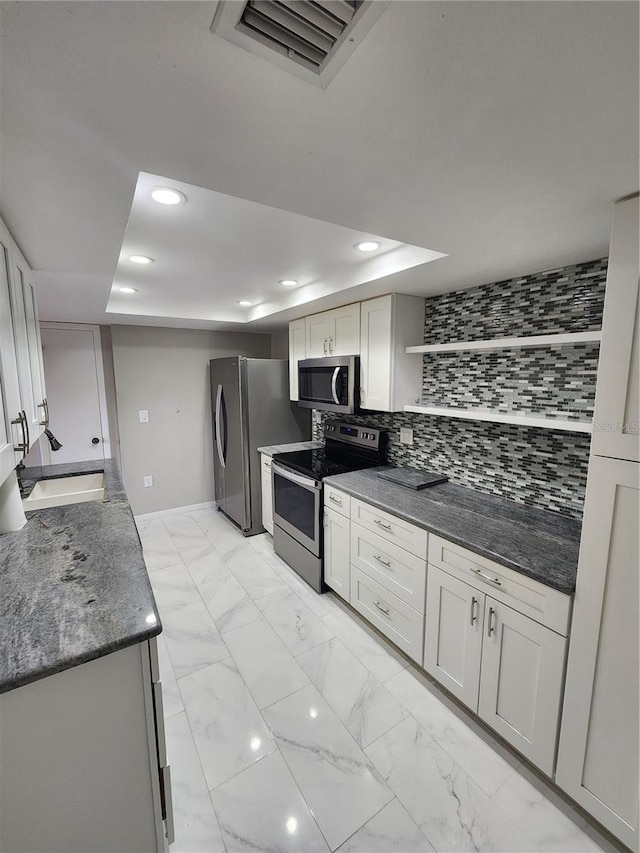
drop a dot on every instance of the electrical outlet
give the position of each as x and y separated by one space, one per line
148 481
143 415
406 435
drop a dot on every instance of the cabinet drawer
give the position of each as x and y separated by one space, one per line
528 596
337 500
390 527
397 570
402 624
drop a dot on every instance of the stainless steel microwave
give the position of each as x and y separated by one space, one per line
331 384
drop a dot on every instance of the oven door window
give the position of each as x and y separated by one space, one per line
295 504
324 384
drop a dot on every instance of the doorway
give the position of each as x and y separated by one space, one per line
74 378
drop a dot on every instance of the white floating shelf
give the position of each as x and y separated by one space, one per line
502 418
512 343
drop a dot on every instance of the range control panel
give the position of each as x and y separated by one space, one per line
350 434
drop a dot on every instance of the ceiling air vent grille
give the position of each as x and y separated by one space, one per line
311 38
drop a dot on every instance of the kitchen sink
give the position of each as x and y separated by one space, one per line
60 491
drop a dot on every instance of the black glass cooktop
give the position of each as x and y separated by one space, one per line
318 463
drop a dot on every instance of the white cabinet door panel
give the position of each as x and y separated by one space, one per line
615 423
344 334
375 354
336 553
317 332
297 352
267 494
599 741
453 635
521 682
10 403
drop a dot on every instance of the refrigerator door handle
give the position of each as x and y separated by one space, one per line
219 437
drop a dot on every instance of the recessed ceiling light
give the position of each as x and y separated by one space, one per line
165 195
367 246
244 302
127 290
288 282
140 259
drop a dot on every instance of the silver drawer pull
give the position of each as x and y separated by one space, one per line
383 524
487 578
382 609
335 500
380 560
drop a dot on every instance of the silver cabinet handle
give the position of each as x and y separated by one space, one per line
362 394
335 500
474 610
490 626
45 407
330 346
487 578
334 390
383 525
380 560
325 346
23 446
26 429
382 609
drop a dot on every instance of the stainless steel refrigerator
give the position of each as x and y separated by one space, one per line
251 408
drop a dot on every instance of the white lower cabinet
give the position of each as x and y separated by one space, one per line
84 759
267 494
336 552
402 624
453 635
505 666
521 681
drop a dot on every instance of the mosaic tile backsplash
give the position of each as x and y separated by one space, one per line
543 468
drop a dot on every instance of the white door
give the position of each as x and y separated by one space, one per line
336 552
453 634
74 374
521 682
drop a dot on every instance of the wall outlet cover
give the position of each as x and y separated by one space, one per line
143 415
406 435
148 481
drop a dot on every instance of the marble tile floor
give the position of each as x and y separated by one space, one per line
293 727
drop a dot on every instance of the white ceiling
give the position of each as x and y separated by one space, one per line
496 133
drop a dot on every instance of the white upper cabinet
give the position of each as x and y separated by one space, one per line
297 351
12 427
334 332
28 346
22 401
615 423
389 377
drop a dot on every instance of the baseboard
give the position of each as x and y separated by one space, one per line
178 510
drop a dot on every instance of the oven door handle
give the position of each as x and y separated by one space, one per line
305 482
334 390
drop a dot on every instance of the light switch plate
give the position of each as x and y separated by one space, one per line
148 481
406 435
143 414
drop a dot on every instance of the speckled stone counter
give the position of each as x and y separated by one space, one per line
542 545
73 582
286 448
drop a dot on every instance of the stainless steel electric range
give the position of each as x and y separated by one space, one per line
297 491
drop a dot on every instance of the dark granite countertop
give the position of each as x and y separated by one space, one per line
73 583
542 545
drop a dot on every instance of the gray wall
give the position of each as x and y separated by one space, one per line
280 344
166 372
